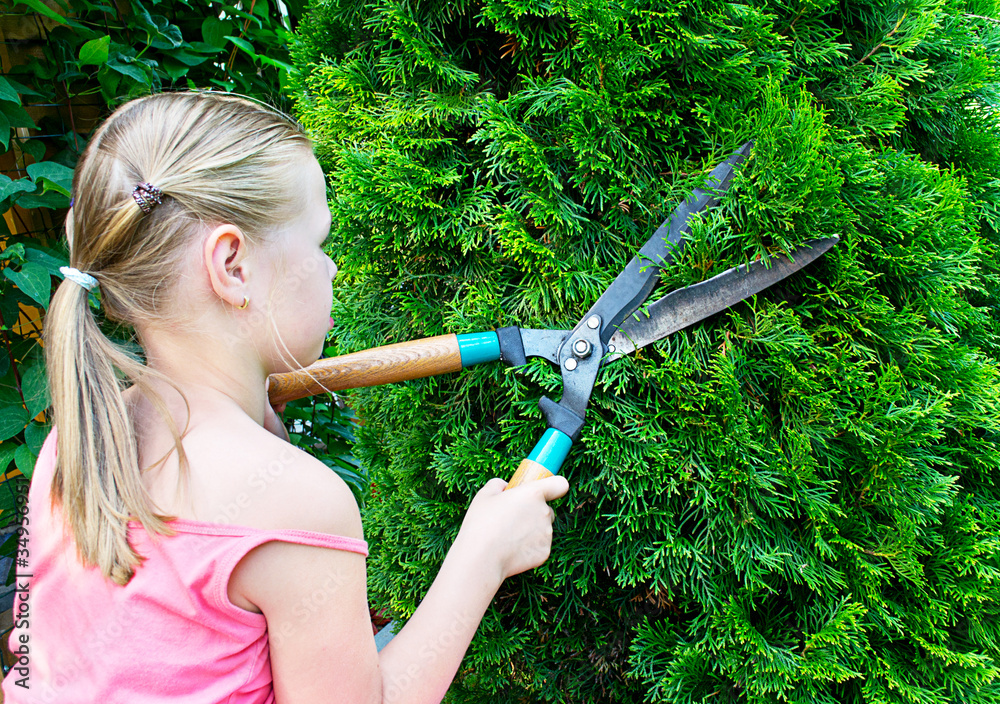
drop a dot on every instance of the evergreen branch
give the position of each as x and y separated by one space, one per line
881 43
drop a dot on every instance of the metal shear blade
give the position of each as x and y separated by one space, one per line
631 287
610 329
686 306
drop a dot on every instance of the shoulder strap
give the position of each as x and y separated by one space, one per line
232 556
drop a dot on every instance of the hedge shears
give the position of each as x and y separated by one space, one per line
619 322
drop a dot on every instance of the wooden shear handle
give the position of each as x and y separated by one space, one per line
379 365
386 365
415 360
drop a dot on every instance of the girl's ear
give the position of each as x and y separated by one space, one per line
225 258
69 227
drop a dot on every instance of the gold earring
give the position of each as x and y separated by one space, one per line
246 302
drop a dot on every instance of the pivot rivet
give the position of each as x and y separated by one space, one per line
581 348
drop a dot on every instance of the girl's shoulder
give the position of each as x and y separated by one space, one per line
247 476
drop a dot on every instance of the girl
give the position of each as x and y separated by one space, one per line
179 548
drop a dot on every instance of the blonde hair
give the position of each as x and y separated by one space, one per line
217 158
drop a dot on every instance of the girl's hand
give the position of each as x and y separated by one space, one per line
513 528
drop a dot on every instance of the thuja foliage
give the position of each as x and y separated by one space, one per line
794 500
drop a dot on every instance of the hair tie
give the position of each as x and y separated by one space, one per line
147 196
87 281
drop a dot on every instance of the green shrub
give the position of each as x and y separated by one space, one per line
794 500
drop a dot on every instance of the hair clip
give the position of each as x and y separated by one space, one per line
147 196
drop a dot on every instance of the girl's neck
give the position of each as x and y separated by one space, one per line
211 376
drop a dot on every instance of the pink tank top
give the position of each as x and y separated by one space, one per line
170 635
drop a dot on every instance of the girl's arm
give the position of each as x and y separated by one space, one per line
419 664
315 599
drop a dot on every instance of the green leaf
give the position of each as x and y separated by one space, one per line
34 387
127 69
52 170
9 547
6 455
234 11
280 65
23 89
172 34
5 131
51 199
33 280
41 7
295 7
204 48
174 69
225 85
16 115
71 74
48 186
142 19
21 185
24 459
244 45
7 91
14 251
187 58
50 259
13 418
95 52
33 147
109 81
9 514
35 434
10 389
54 175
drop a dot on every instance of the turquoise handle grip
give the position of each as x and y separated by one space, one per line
478 347
543 461
551 450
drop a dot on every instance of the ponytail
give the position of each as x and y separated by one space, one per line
95 480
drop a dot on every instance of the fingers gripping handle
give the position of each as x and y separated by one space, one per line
543 461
